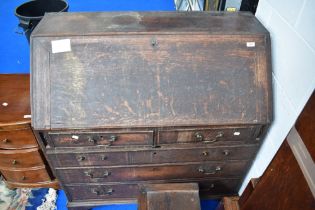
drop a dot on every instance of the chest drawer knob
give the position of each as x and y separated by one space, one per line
92 176
104 157
81 158
199 136
14 162
23 178
226 152
205 172
5 141
205 153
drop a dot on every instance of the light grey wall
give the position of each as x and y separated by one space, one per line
292 28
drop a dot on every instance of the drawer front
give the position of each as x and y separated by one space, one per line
207 188
118 174
101 192
15 159
17 139
207 136
152 156
109 139
26 176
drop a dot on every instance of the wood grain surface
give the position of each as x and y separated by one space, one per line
14 99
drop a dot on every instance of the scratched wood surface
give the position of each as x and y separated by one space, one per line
159 79
148 22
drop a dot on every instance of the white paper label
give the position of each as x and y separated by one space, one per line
27 116
58 46
237 133
250 44
75 137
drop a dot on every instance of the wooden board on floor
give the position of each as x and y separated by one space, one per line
169 197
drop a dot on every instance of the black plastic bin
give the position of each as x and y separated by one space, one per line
30 13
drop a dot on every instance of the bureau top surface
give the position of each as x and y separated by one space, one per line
14 99
151 79
65 24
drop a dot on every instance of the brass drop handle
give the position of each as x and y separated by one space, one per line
91 140
5 141
226 152
81 158
95 191
108 191
90 174
214 139
199 137
112 139
14 162
202 170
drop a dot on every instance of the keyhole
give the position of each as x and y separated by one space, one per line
154 42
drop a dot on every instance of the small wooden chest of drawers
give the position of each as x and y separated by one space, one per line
120 100
22 163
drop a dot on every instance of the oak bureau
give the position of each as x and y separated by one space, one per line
124 99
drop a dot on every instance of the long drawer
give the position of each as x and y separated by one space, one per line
152 172
15 159
32 175
17 139
150 156
124 191
209 135
74 139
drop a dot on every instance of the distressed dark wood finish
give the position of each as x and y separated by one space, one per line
21 161
187 95
169 197
209 136
99 138
149 156
102 192
130 191
223 80
30 175
152 172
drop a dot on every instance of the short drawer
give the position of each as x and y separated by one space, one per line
208 136
101 192
14 159
17 139
152 156
34 175
156 172
101 138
